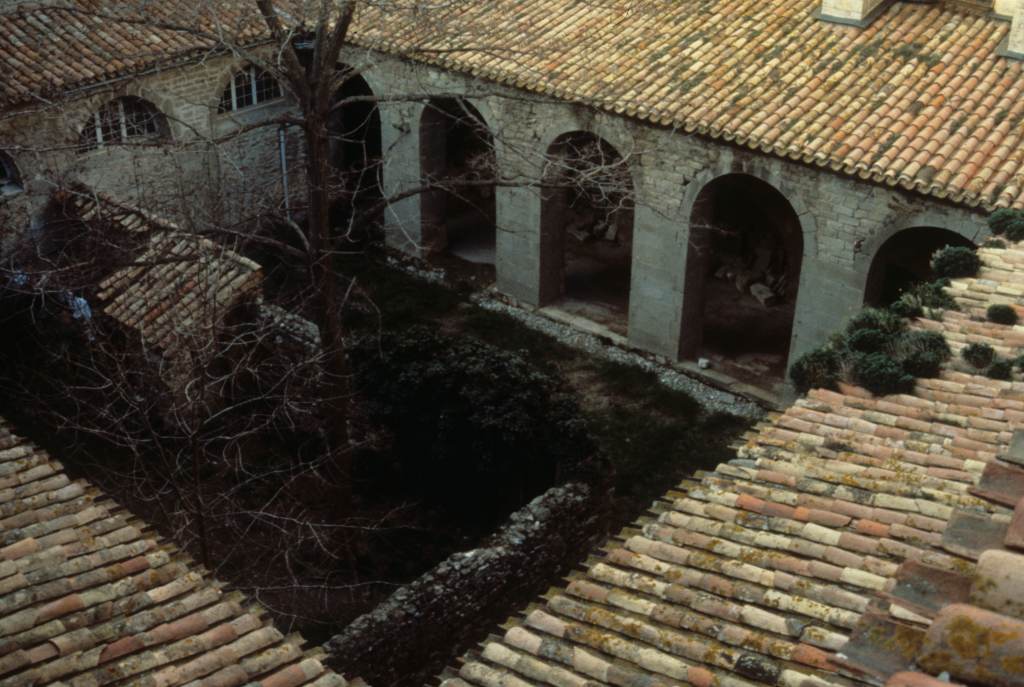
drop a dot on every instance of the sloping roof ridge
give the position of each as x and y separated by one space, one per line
85 198
760 571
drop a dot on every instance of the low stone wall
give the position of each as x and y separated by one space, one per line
419 629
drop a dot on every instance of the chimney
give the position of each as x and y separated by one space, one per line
852 12
1004 8
1013 45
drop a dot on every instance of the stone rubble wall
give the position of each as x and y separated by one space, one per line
411 635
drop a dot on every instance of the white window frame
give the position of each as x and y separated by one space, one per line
122 124
252 72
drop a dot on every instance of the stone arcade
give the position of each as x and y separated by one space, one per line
755 192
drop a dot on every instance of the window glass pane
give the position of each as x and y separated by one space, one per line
225 101
110 123
266 87
139 119
243 89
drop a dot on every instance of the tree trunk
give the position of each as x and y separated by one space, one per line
327 303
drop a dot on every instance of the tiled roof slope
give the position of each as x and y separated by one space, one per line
46 51
919 99
90 596
179 289
759 572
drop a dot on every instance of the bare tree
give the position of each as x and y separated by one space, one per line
195 421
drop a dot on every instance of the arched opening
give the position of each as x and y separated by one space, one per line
356 150
458 163
587 229
742 276
10 179
905 259
124 120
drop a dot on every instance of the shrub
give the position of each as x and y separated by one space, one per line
881 374
994 243
923 353
956 261
923 364
932 295
883 321
978 354
1008 222
1001 369
473 426
1018 362
867 340
931 342
907 306
1001 314
817 369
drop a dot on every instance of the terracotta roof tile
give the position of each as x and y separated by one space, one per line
179 288
886 103
87 596
820 555
769 76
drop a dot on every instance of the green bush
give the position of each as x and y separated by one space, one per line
923 353
473 427
1001 314
1008 222
1001 369
884 321
933 295
1018 362
867 340
931 342
994 243
817 369
880 374
979 355
956 261
923 364
906 306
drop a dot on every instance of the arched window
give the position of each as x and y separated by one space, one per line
123 120
10 180
250 86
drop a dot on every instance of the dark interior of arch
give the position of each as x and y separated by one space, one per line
587 228
459 163
744 267
905 259
10 179
356 149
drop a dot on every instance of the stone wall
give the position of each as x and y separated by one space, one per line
843 220
212 169
224 177
434 618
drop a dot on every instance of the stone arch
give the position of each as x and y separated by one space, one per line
902 255
356 146
747 241
587 222
615 134
458 164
